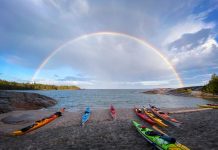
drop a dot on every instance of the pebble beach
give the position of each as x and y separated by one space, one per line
198 131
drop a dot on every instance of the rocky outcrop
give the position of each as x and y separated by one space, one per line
158 91
10 101
195 91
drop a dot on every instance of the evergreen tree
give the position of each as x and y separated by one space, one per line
212 86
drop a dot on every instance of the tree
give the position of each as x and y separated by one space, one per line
212 86
6 85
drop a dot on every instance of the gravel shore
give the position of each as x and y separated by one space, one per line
198 131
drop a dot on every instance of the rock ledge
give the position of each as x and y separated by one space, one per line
10 101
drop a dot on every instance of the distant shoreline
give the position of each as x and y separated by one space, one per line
194 91
8 85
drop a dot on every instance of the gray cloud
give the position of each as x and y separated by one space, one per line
33 34
30 31
189 41
56 76
74 78
196 50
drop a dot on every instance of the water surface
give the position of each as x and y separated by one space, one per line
75 100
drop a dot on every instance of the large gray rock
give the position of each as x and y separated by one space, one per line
10 101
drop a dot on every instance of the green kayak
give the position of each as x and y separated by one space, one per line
160 141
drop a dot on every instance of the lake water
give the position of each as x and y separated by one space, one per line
75 100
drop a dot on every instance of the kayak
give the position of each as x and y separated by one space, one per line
143 116
165 116
160 141
38 124
214 106
154 118
86 115
113 112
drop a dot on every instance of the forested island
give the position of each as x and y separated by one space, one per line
7 85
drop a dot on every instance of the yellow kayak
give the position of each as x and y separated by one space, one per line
209 106
38 124
178 146
154 118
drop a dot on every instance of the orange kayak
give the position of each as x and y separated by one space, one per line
165 116
38 124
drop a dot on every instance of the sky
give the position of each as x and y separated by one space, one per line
184 32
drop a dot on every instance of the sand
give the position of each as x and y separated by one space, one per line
199 131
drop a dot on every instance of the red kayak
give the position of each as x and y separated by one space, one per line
113 112
143 116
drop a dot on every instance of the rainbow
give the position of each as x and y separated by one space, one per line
140 41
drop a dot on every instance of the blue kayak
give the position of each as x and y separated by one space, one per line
86 115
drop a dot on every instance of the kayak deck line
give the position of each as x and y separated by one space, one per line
189 110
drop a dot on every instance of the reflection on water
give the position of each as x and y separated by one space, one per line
75 100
